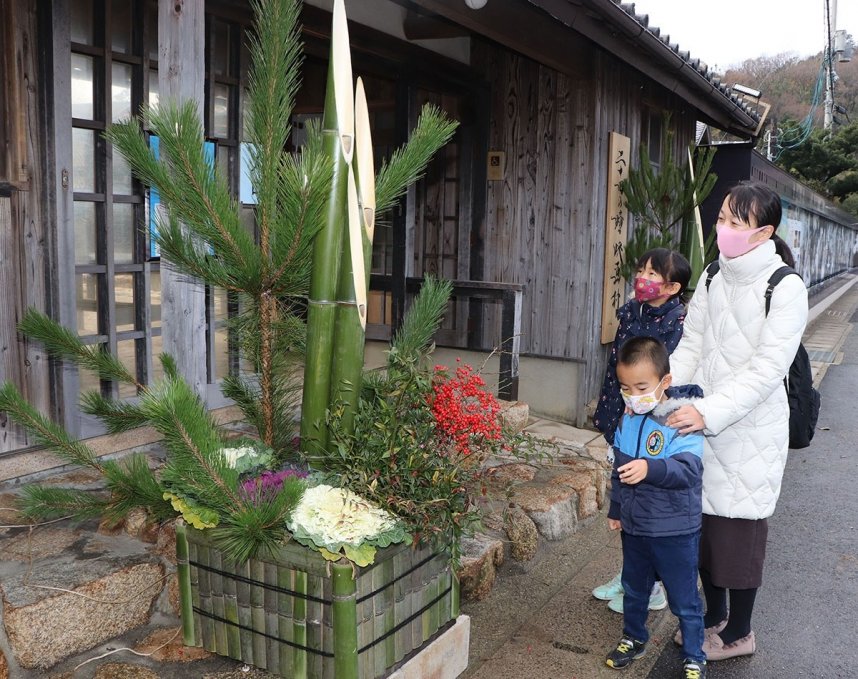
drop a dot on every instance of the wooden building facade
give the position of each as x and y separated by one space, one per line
539 83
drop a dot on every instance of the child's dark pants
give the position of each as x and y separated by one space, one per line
674 558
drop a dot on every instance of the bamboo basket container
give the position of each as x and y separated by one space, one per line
297 615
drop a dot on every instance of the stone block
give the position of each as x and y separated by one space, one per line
514 415
446 657
598 450
583 483
514 472
481 554
4 666
67 606
552 507
38 544
522 534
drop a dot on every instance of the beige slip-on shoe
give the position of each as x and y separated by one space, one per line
715 649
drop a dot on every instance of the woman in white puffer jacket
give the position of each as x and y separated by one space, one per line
739 356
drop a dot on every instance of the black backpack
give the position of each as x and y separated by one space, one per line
803 399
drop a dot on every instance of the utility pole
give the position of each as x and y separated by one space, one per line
830 28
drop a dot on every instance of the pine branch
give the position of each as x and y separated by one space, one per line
260 525
117 416
132 484
44 431
193 441
171 369
408 163
44 503
61 342
302 197
422 319
275 49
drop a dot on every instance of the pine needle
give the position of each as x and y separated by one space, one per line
408 163
422 319
62 343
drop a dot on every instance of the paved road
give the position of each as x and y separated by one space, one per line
805 618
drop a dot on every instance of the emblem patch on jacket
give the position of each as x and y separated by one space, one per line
655 443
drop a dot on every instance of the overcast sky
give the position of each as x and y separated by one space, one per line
727 32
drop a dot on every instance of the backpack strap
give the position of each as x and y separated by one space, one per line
711 270
776 277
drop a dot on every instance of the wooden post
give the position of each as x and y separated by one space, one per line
510 344
61 300
181 71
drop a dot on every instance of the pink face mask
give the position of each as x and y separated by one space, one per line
734 243
646 290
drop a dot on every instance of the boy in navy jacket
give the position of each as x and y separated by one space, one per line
656 501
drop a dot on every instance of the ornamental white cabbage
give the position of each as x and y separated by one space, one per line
337 515
233 455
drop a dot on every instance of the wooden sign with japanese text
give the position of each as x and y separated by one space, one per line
616 218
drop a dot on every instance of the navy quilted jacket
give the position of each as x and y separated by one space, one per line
636 320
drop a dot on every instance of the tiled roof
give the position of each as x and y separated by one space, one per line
696 64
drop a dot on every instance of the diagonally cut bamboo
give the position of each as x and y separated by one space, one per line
338 139
183 571
345 620
350 329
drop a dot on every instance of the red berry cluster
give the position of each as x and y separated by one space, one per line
464 412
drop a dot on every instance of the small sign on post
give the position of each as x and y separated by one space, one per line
616 227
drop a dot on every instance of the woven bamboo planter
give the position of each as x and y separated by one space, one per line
298 615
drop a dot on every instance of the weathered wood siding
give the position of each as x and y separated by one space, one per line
23 227
544 224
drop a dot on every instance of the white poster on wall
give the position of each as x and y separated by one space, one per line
791 231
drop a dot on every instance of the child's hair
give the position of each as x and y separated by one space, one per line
751 199
645 350
668 264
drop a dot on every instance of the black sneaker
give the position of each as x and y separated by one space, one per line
626 651
694 670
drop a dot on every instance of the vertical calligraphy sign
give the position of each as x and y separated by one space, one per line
616 218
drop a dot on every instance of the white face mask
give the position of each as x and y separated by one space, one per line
642 403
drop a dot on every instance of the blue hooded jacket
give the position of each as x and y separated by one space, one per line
669 500
636 320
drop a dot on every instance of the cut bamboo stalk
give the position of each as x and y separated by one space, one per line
285 622
388 614
230 612
245 617
193 557
350 327
365 627
272 646
299 585
183 573
220 641
257 611
454 597
206 603
401 606
356 263
345 620
315 633
338 139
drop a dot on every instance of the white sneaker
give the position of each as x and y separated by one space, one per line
611 589
657 600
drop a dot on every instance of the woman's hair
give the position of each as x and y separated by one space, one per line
783 250
751 199
668 264
644 349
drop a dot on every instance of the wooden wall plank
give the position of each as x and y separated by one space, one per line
181 71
